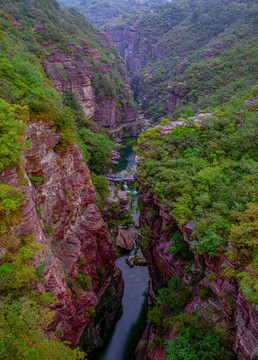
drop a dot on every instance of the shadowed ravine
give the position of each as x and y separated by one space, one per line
130 326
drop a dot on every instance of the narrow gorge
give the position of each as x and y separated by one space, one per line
128 181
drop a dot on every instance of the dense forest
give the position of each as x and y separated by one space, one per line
101 12
63 89
30 32
192 54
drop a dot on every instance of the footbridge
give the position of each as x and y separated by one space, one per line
118 178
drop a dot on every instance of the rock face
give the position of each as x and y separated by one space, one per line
225 297
136 49
125 239
119 198
73 71
60 212
133 260
131 46
70 73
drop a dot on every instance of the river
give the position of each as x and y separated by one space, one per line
129 328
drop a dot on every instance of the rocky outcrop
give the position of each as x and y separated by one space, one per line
118 198
132 46
175 95
133 260
73 72
222 294
125 239
78 256
69 72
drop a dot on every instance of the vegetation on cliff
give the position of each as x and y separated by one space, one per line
23 80
195 337
101 12
206 173
47 26
194 54
24 313
27 95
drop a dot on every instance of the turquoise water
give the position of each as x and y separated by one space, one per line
127 157
136 283
129 328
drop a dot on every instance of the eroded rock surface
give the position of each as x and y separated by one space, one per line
72 71
133 260
125 239
60 212
224 296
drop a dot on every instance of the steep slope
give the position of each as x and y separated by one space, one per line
57 260
79 59
199 233
101 12
78 258
188 54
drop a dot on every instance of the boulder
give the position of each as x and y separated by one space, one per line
125 239
133 260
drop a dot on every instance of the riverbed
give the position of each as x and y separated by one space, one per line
129 328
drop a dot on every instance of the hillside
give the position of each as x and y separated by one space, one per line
57 257
79 59
188 55
101 12
197 181
65 106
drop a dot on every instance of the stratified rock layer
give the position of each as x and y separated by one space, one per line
229 307
125 239
72 71
60 212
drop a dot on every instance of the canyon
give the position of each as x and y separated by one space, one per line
73 72
225 298
65 102
60 213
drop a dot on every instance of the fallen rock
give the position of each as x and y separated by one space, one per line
133 260
17 25
125 239
115 157
141 260
252 102
119 197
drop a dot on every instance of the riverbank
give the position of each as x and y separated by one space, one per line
129 328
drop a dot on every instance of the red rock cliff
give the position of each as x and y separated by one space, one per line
60 212
226 300
74 71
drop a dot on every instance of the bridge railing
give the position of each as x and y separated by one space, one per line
112 176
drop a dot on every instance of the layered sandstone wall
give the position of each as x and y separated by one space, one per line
74 71
59 211
132 46
225 299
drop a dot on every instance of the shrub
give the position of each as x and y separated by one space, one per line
11 200
99 148
17 274
83 281
36 180
198 340
175 296
13 119
100 185
204 292
180 246
49 229
22 335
